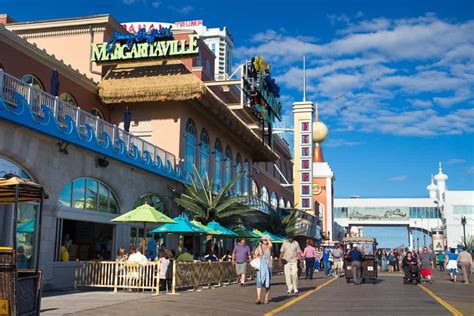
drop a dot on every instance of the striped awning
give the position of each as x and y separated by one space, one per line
27 190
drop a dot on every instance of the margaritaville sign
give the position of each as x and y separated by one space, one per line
155 44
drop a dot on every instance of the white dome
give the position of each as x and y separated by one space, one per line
440 176
320 132
432 186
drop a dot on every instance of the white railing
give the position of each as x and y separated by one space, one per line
36 98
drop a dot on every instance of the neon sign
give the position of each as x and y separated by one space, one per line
154 44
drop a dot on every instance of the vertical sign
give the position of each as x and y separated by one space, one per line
305 165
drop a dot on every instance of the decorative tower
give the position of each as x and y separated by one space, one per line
303 155
441 184
323 180
432 188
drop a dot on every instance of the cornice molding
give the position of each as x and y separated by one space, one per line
63 32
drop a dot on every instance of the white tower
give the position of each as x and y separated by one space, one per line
441 183
432 188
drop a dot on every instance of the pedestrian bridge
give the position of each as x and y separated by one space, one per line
415 214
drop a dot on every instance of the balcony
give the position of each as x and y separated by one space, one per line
33 108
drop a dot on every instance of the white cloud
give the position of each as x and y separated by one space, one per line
156 4
184 10
454 161
410 77
397 178
470 170
339 142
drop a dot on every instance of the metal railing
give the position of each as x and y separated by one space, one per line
36 98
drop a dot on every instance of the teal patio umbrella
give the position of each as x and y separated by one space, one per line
182 226
28 227
274 238
225 232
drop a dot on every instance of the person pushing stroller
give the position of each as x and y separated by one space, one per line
411 269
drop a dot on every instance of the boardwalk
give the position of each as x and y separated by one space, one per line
388 297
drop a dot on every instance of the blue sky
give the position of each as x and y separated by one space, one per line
394 79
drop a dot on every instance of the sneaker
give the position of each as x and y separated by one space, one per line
288 292
242 285
296 292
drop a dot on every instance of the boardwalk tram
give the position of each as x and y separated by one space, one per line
367 246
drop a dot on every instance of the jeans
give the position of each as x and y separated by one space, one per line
327 267
309 267
356 267
291 276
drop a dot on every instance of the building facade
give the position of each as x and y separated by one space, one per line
104 134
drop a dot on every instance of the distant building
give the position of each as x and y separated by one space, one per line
220 41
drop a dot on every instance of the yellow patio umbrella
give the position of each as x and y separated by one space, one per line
144 214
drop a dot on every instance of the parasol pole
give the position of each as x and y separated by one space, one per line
144 238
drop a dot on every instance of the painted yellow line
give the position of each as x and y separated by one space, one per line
453 310
298 298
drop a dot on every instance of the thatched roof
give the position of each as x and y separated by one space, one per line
147 82
27 190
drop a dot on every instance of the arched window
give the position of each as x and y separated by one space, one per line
218 165
97 112
26 219
264 194
190 150
255 191
228 165
246 177
274 200
288 204
238 173
204 154
66 97
32 80
152 200
89 194
281 203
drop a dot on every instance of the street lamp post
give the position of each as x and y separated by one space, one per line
463 223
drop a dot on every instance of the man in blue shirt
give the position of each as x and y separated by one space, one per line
356 263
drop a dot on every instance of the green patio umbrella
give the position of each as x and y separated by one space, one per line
225 232
244 232
274 238
144 214
182 226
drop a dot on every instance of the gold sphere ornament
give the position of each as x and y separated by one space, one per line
320 132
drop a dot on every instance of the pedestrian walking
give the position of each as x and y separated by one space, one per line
356 263
379 255
309 254
264 273
391 261
338 262
240 255
452 264
326 262
288 256
465 261
396 254
384 261
317 261
426 261
440 258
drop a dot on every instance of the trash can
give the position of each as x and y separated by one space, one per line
7 281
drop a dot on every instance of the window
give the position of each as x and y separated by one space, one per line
204 154
33 81
66 97
228 165
89 194
463 209
26 221
255 191
281 203
217 166
274 200
246 177
152 200
264 195
98 113
238 173
190 150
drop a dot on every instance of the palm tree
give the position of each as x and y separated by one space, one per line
285 225
207 206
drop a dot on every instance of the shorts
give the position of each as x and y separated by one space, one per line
338 264
241 268
453 271
425 272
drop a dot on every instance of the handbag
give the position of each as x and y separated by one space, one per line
255 263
